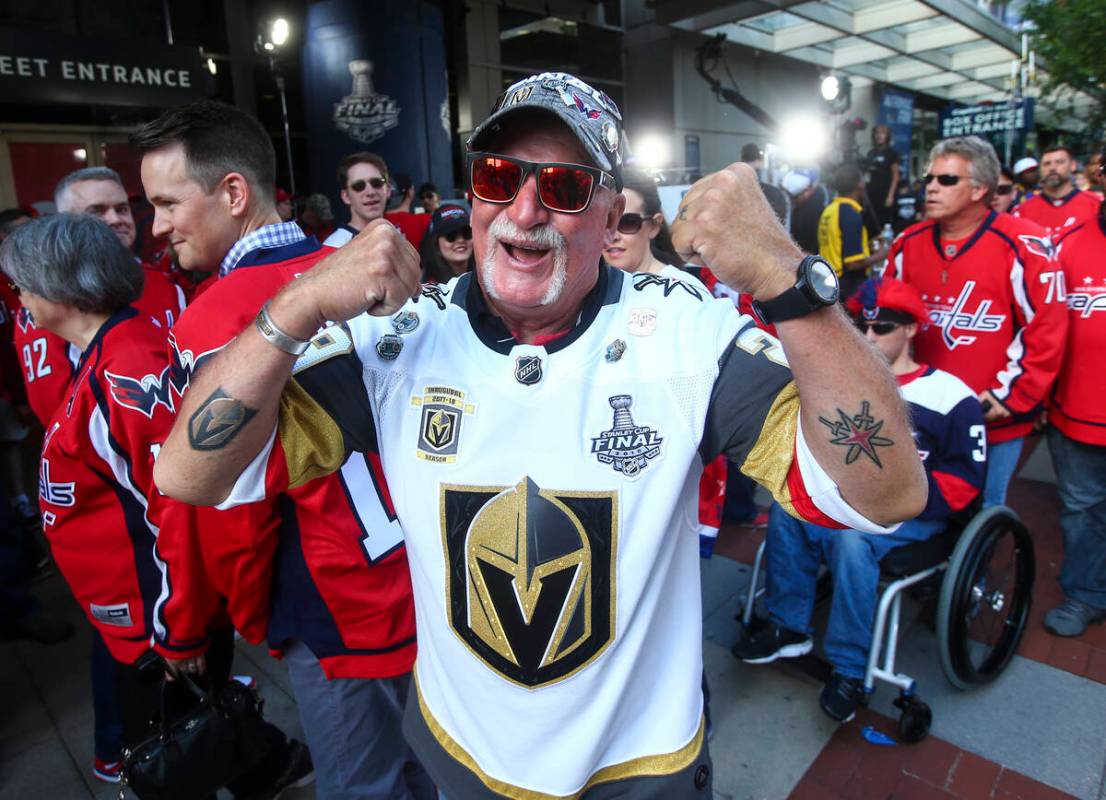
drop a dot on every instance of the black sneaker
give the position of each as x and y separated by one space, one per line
840 697
771 642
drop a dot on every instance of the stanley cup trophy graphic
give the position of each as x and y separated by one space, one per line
364 114
626 446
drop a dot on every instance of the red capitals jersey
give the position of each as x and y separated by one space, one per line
1055 216
339 575
996 311
49 361
96 474
1078 408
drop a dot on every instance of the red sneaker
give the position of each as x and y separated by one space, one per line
107 771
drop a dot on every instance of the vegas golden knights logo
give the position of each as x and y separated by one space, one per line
531 576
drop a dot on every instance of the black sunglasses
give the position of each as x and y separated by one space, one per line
878 328
376 183
944 180
631 222
464 233
1004 188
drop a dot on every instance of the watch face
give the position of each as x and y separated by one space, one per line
823 280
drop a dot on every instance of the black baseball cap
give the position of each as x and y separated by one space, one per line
448 219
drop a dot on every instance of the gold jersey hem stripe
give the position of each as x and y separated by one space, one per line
770 459
312 442
641 767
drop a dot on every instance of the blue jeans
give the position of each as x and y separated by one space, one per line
1002 460
792 555
1081 481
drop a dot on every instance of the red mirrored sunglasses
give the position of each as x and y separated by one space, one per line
567 188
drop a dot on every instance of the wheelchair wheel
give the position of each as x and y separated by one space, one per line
985 598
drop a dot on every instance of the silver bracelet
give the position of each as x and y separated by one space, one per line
275 336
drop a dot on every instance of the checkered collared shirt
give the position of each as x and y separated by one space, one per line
266 237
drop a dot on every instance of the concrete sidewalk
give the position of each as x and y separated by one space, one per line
1038 732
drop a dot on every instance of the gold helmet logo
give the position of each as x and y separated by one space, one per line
531 576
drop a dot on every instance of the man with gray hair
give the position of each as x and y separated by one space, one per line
97 191
995 295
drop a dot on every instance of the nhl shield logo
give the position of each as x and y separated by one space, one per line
528 370
443 409
627 447
364 115
530 578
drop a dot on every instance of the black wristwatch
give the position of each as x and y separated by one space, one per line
815 288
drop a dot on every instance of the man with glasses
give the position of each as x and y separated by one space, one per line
949 435
363 179
1059 204
1006 197
543 421
995 296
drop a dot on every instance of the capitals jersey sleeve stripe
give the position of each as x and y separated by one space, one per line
142 531
1034 353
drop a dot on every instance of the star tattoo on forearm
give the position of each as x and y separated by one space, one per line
217 421
859 433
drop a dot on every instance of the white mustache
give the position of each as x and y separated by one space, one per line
545 237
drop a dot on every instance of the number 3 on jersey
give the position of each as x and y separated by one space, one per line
34 360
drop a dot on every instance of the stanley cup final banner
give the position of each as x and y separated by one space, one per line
374 77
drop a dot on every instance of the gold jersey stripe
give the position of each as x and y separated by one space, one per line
642 767
770 459
312 442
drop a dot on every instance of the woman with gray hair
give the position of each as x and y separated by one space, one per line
99 512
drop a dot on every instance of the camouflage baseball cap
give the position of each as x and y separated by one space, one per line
589 113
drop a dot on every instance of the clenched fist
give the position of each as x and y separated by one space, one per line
377 271
726 224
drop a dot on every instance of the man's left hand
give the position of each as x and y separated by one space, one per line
725 223
996 410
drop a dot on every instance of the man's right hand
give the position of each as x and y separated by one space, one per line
377 271
193 667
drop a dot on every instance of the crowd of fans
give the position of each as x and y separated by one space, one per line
982 289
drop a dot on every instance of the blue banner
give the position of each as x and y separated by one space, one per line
374 78
986 120
896 111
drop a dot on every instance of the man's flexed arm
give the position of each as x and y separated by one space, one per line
230 409
854 421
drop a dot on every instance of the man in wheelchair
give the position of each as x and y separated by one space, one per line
951 440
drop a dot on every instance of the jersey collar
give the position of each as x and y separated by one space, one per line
983 226
123 314
1056 202
490 329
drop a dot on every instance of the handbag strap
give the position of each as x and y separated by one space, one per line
186 681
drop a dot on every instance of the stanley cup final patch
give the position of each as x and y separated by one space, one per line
443 410
627 447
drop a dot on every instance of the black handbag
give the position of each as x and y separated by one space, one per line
199 752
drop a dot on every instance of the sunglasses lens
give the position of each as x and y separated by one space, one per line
357 186
1007 189
948 180
630 223
464 233
564 188
377 183
495 180
878 328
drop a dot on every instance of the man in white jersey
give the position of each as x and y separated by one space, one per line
543 423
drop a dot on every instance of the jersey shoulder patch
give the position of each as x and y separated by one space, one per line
666 286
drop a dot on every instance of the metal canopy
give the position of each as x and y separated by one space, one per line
950 49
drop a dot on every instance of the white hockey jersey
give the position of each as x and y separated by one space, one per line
548 497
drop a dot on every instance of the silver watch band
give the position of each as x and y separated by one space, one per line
275 336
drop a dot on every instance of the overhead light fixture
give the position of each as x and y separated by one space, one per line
651 151
831 88
279 31
211 66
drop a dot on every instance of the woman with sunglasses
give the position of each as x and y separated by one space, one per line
1006 194
446 250
642 243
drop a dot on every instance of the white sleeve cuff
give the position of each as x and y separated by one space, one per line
824 493
250 486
